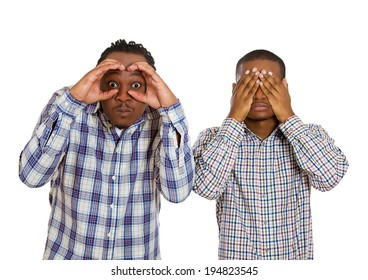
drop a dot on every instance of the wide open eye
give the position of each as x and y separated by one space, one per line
113 85
136 85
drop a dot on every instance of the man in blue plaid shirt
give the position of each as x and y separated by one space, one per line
260 166
111 145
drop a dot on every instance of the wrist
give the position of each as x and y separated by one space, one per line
285 117
236 117
169 101
73 92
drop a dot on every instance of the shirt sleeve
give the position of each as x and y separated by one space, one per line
315 153
42 155
215 152
175 166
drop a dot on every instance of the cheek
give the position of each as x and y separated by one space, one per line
139 109
107 106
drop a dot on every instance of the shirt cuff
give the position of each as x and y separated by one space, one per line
173 114
293 127
68 105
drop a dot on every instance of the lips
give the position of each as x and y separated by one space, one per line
260 106
123 111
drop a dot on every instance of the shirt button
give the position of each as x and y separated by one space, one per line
113 177
112 205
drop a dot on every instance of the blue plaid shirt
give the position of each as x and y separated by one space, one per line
105 188
263 187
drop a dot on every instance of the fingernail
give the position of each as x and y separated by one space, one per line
257 73
261 75
270 73
254 69
264 72
257 82
247 72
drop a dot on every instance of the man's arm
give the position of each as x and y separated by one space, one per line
43 153
314 149
315 153
215 152
175 166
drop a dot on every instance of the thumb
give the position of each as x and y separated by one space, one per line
138 96
104 95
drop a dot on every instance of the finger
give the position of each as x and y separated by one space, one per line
147 71
101 69
138 96
274 80
252 86
246 83
268 83
254 89
142 66
112 62
104 95
150 100
265 90
137 64
271 96
241 81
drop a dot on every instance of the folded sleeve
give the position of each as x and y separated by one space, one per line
42 155
175 165
316 153
215 152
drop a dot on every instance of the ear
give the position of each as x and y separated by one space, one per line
284 82
234 85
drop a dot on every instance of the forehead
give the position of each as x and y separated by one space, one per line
126 59
261 64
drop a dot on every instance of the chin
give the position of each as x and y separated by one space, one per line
260 118
122 126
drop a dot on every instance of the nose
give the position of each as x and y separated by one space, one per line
259 95
122 95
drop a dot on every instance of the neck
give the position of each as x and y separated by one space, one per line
262 128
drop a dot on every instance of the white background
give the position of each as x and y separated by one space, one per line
46 45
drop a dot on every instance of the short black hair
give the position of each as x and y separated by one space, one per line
262 55
131 47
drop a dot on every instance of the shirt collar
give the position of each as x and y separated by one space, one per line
275 133
93 108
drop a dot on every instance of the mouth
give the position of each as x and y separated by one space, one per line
260 106
123 111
